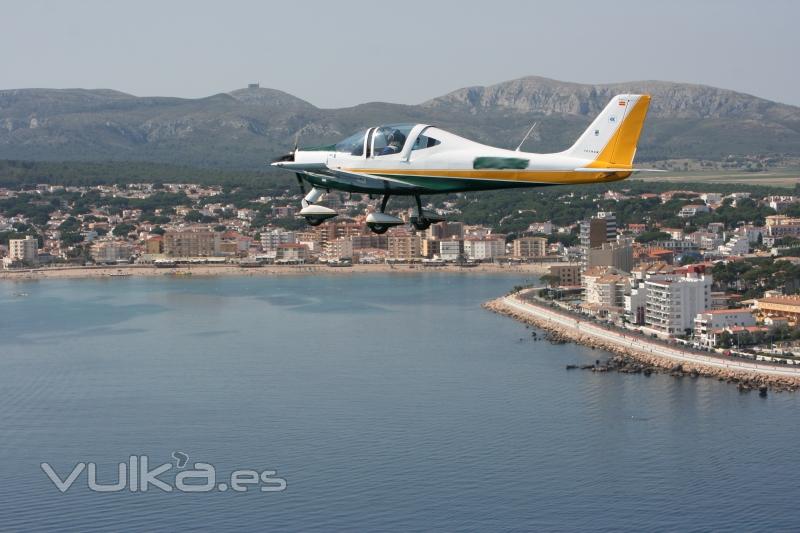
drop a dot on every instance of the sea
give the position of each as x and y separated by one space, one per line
385 402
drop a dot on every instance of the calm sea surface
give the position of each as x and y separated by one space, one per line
386 402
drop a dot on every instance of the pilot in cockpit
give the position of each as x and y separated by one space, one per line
394 143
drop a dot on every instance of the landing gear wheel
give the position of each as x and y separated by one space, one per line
421 224
419 221
380 229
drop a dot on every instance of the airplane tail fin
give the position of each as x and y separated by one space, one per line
610 141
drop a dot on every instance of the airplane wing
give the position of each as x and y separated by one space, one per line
357 177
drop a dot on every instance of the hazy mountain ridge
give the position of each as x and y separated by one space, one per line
247 127
670 100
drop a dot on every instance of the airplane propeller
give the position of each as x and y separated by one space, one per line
298 175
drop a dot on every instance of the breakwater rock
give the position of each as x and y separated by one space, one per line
632 361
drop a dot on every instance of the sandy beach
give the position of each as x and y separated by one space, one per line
82 272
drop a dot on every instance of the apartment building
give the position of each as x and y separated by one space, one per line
191 243
154 244
430 248
451 249
619 256
526 247
673 301
780 306
779 226
341 248
23 249
604 287
272 238
291 253
689 211
780 203
445 230
111 251
404 246
568 275
738 245
598 230
371 241
485 248
708 323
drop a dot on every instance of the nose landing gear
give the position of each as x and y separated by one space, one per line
315 214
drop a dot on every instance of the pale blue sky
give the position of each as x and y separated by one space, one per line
338 53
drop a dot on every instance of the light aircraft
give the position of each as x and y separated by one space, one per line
419 159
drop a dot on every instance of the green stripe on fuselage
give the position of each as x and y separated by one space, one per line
499 163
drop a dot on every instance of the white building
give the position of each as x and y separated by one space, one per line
271 239
23 249
738 245
673 301
780 203
450 250
689 211
484 248
711 198
245 214
707 240
291 253
635 303
753 233
541 227
708 322
604 287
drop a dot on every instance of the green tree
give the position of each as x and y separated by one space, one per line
550 280
650 236
122 230
193 216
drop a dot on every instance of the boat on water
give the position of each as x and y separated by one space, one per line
120 274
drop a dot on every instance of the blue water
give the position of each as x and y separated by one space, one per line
385 402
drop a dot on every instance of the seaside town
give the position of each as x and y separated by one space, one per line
712 270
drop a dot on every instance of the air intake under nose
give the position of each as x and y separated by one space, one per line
284 158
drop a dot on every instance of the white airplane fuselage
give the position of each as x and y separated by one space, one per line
431 160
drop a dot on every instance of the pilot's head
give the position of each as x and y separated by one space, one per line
397 138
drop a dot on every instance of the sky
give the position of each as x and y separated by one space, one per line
340 53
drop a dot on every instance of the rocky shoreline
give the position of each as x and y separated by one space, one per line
631 361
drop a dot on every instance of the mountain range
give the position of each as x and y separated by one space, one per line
245 128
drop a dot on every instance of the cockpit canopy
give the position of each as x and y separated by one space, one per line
385 140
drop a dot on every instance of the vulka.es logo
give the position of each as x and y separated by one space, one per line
135 475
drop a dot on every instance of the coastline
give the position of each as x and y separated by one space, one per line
634 354
111 272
